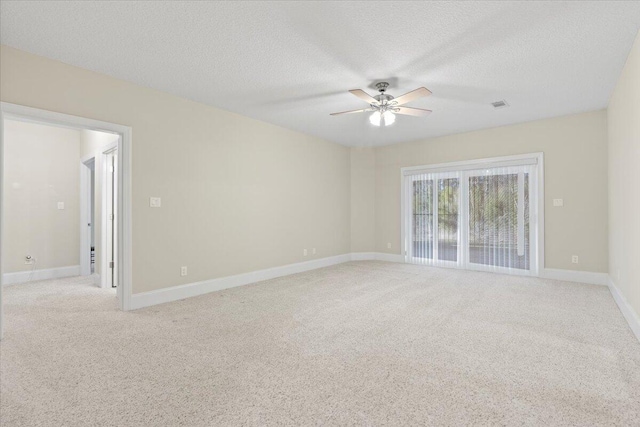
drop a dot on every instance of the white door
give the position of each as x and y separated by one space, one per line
111 197
87 220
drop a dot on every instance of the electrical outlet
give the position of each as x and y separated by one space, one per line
313 251
558 202
60 205
574 259
304 252
389 245
183 271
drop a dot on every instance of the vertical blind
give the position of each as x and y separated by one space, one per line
477 219
435 217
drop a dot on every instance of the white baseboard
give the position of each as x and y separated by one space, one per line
547 273
377 256
175 293
363 256
575 276
44 274
627 311
381 256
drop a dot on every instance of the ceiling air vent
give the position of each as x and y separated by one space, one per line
500 104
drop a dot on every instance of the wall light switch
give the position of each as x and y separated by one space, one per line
558 202
155 202
60 205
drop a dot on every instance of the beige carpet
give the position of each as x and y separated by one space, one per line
366 343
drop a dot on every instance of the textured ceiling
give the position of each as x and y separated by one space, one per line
291 63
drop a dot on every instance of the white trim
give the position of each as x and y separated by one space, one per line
20 112
475 164
363 256
104 216
44 274
381 256
587 277
376 256
1 219
175 293
627 311
537 215
104 266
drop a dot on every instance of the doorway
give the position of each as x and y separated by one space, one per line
99 189
120 194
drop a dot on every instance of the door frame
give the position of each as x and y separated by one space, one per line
104 257
24 113
536 218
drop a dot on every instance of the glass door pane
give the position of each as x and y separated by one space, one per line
448 202
499 218
434 215
422 218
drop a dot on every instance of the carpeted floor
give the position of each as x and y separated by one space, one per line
362 343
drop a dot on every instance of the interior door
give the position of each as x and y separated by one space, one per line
111 217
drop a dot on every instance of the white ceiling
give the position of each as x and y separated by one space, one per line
292 63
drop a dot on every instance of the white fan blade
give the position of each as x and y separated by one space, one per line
410 96
409 111
364 96
353 111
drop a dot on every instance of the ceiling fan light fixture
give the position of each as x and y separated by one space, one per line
389 118
385 107
375 118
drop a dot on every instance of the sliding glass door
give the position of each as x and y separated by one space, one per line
474 218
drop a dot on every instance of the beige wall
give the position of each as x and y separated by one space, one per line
40 169
92 144
362 200
241 195
575 150
238 195
624 180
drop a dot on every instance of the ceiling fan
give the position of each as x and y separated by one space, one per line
385 107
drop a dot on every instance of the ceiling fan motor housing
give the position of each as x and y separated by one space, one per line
382 86
383 97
